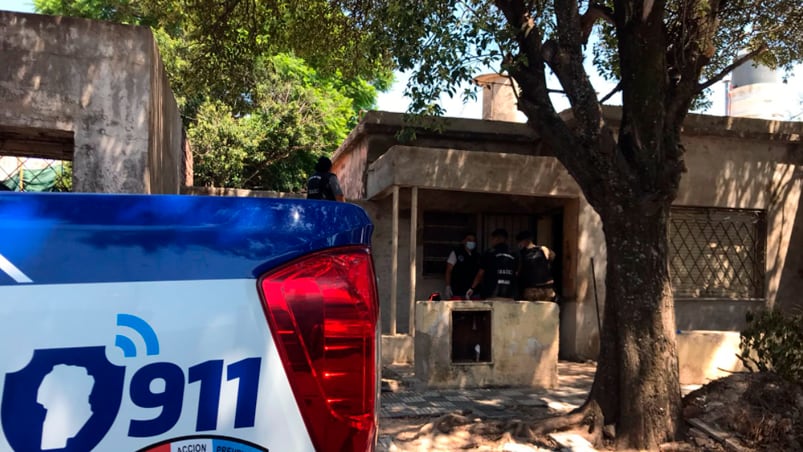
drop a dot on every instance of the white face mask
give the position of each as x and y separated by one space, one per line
471 245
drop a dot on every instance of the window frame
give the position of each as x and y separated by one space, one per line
711 225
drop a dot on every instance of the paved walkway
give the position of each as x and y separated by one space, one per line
404 396
405 399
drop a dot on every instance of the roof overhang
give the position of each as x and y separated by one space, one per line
468 171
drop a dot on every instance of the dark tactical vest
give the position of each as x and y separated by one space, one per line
318 187
535 268
504 272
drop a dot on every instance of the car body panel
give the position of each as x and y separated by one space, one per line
147 309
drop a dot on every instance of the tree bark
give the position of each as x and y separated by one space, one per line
636 383
631 182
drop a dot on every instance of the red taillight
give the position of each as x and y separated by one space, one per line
322 312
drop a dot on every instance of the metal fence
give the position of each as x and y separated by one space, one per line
717 253
35 174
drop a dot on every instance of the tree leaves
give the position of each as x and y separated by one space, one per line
294 115
264 87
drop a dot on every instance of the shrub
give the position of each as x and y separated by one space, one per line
773 342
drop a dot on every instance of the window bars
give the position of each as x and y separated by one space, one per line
717 253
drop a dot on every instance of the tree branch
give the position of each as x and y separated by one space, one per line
565 58
572 149
594 12
615 90
729 68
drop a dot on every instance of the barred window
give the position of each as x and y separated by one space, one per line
445 230
442 232
717 253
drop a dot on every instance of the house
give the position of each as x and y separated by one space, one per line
735 231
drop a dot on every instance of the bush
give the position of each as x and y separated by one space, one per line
773 342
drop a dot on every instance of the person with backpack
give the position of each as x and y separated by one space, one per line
497 270
535 269
324 184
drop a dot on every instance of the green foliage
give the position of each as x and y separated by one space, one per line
122 11
220 144
295 115
262 88
773 342
63 180
445 43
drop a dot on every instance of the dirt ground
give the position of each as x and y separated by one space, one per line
457 431
743 412
751 411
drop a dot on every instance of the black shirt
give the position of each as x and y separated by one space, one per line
535 268
499 265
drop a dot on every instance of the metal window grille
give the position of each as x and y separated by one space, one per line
35 174
717 253
442 232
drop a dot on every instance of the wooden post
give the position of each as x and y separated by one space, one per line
394 263
413 250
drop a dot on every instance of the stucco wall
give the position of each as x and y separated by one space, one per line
731 163
351 170
379 131
524 343
103 82
723 172
166 158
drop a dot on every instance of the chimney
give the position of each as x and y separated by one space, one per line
498 98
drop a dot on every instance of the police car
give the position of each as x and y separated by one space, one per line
178 323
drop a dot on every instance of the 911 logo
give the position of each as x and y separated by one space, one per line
67 399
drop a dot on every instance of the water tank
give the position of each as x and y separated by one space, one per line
759 92
747 74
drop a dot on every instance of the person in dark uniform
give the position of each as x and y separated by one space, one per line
535 269
462 266
323 184
497 269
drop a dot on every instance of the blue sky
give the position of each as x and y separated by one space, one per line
394 99
17 5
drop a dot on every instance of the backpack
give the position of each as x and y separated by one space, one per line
318 187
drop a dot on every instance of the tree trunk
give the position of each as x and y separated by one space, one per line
636 383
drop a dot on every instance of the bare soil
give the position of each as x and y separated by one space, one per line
752 411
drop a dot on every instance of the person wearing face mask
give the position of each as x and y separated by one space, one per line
535 269
462 266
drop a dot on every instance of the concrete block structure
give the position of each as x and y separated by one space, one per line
462 344
95 93
734 229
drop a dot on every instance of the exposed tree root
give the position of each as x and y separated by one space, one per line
590 415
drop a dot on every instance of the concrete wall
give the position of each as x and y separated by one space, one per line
745 173
103 82
378 132
732 163
468 171
707 355
167 161
524 341
239 192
